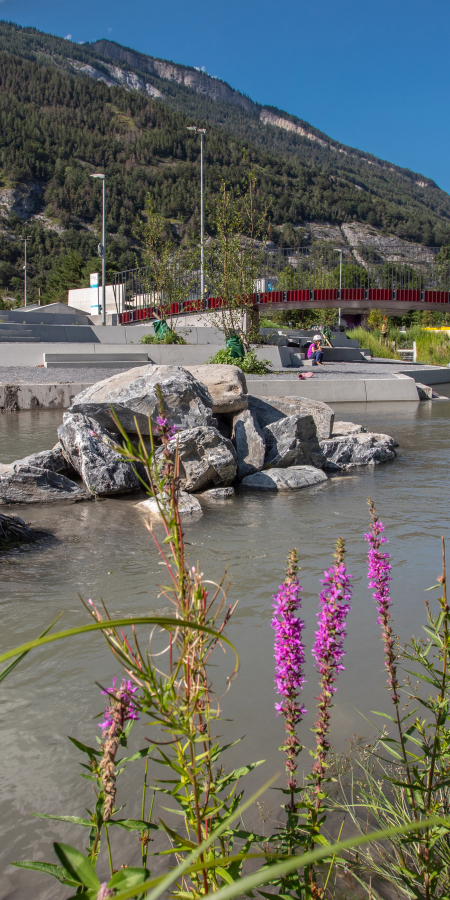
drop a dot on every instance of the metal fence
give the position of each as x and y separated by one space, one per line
304 269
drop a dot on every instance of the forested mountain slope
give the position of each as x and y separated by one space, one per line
68 110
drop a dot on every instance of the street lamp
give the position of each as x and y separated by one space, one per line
201 132
338 250
101 248
25 274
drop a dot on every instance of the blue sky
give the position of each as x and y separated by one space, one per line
374 74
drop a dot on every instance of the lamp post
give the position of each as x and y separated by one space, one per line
25 274
338 250
101 247
201 132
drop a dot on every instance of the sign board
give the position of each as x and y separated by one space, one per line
95 308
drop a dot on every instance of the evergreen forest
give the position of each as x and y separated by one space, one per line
58 127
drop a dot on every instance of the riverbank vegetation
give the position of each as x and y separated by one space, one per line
164 703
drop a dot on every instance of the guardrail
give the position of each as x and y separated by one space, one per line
332 296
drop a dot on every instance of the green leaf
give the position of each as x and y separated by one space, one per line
89 750
128 878
77 865
161 621
57 872
76 820
133 824
16 662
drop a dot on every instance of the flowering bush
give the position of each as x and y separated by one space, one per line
167 687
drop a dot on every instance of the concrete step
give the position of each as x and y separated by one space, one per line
98 364
19 339
121 358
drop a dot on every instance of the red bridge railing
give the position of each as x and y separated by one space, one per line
327 295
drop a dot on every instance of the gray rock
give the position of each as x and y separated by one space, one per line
206 459
29 484
89 449
249 442
188 506
340 428
53 460
224 493
134 394
272 409
226 384
363 449
293 479
293 442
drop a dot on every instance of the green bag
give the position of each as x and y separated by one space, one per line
235 345
161 328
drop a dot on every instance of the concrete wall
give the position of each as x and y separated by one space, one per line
14 397
343 391
161 354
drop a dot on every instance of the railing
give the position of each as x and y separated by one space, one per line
415 274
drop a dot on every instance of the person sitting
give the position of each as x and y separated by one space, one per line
315 351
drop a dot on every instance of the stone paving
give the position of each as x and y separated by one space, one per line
60 375
377 368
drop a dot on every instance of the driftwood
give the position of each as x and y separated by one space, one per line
15 531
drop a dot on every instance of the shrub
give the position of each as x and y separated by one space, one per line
250 364
171 338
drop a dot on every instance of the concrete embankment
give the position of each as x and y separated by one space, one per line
59 395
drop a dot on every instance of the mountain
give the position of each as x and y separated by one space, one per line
68 110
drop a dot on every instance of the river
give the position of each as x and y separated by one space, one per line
103 550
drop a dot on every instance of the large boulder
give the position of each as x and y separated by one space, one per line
134 394
53 460
271 409
188 506
206 459
347 428
293 442
249 442
360 449
226 385
30 484
89 449
293 479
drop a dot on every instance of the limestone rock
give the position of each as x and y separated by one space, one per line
340 428
188 506
206 459
223 493
361 449
292 479
89 449
293 442
272 409
29 484
53 460
226 385
249 442
134 394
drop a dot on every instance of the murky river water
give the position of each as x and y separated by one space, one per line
104 551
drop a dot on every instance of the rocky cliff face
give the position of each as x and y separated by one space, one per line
199 82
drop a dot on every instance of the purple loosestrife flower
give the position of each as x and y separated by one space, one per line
125 697
289 659
379 578
121 710
164 429
329 650
105 892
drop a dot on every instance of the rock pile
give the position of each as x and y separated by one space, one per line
223 436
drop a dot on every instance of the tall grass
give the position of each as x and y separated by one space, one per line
372 341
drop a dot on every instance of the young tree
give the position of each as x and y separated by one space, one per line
170 277
233 258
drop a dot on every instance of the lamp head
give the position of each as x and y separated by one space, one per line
98 175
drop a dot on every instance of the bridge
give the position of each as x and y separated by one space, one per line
413 277
353 302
